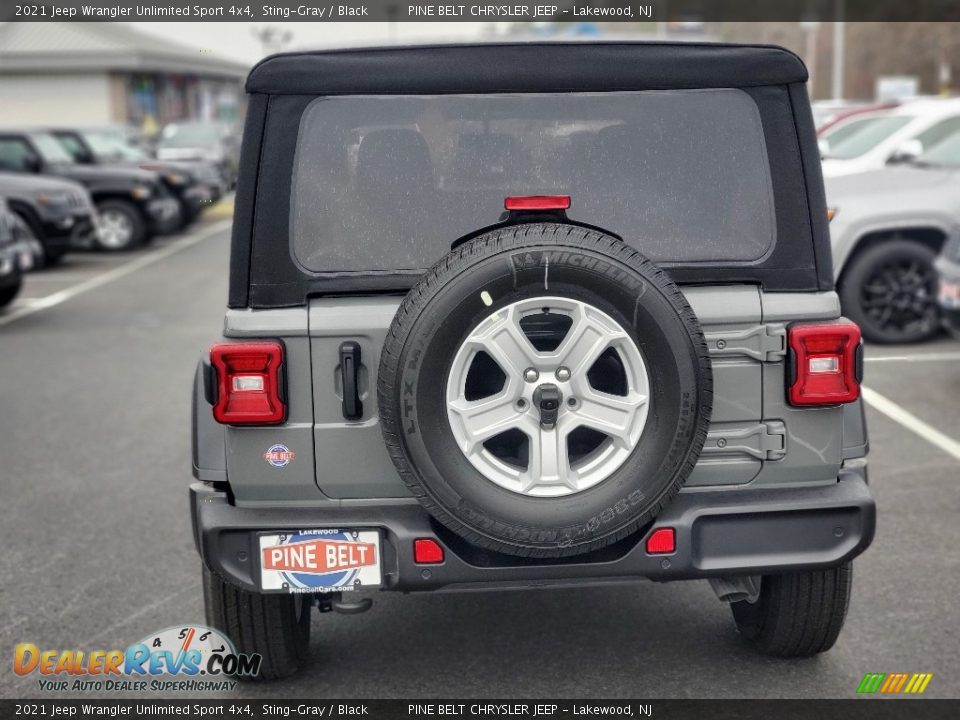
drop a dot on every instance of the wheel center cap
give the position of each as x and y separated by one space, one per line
547 399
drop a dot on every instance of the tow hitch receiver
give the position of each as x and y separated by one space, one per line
334 602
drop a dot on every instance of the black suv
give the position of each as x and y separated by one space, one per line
100 147
133 204
519 315
58 213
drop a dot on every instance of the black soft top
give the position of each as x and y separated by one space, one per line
266 273
526 67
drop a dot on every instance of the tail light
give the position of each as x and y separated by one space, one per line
248 382
827 360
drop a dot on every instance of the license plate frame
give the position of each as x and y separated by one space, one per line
949 293
320 560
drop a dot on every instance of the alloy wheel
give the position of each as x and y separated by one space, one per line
115 231
899 296
548 396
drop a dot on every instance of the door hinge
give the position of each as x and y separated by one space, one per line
766 343
764 441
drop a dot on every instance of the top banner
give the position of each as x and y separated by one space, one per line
680 14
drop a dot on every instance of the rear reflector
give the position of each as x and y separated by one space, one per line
427 551
826 358
537 202
248 383
662 541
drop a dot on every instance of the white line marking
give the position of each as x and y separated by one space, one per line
59 277
42 303
922 357
911 422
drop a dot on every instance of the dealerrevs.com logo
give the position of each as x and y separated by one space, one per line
186 658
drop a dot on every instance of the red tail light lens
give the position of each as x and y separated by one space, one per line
427 551
826 363
662 541
537 202
248 383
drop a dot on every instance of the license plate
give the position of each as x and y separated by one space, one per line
320 560
949 293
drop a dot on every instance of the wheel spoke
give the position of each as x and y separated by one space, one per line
611 415
586 340
549 461
480 420
506 343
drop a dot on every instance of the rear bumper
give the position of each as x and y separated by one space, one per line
726 532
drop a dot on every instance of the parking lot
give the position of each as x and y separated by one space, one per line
98 357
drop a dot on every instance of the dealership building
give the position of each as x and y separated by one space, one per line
95 74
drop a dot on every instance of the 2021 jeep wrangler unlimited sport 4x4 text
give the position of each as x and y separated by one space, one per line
529 314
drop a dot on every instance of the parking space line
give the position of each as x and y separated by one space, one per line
921 357
59 277
48 301
911 422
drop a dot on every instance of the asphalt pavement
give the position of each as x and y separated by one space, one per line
97 360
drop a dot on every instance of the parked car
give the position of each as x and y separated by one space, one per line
889 136
11 273
837 133
829 113
888 228
57 213
546 405
132 147
133 205
947 156
208 141
100 147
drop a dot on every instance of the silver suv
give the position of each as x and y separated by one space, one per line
524 315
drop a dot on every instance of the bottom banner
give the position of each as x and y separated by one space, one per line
489 709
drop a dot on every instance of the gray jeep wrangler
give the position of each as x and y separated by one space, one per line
522 315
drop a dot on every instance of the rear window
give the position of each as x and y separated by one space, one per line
389 182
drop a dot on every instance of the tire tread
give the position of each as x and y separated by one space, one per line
797 614
259 623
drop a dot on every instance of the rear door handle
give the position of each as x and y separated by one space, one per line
350 379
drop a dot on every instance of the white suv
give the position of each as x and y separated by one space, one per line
890 136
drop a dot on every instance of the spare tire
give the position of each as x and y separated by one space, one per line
545 390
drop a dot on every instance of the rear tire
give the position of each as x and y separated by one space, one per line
277 627
7 295
499 280
798 614
122 226
889 290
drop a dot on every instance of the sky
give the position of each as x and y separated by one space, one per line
236 40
